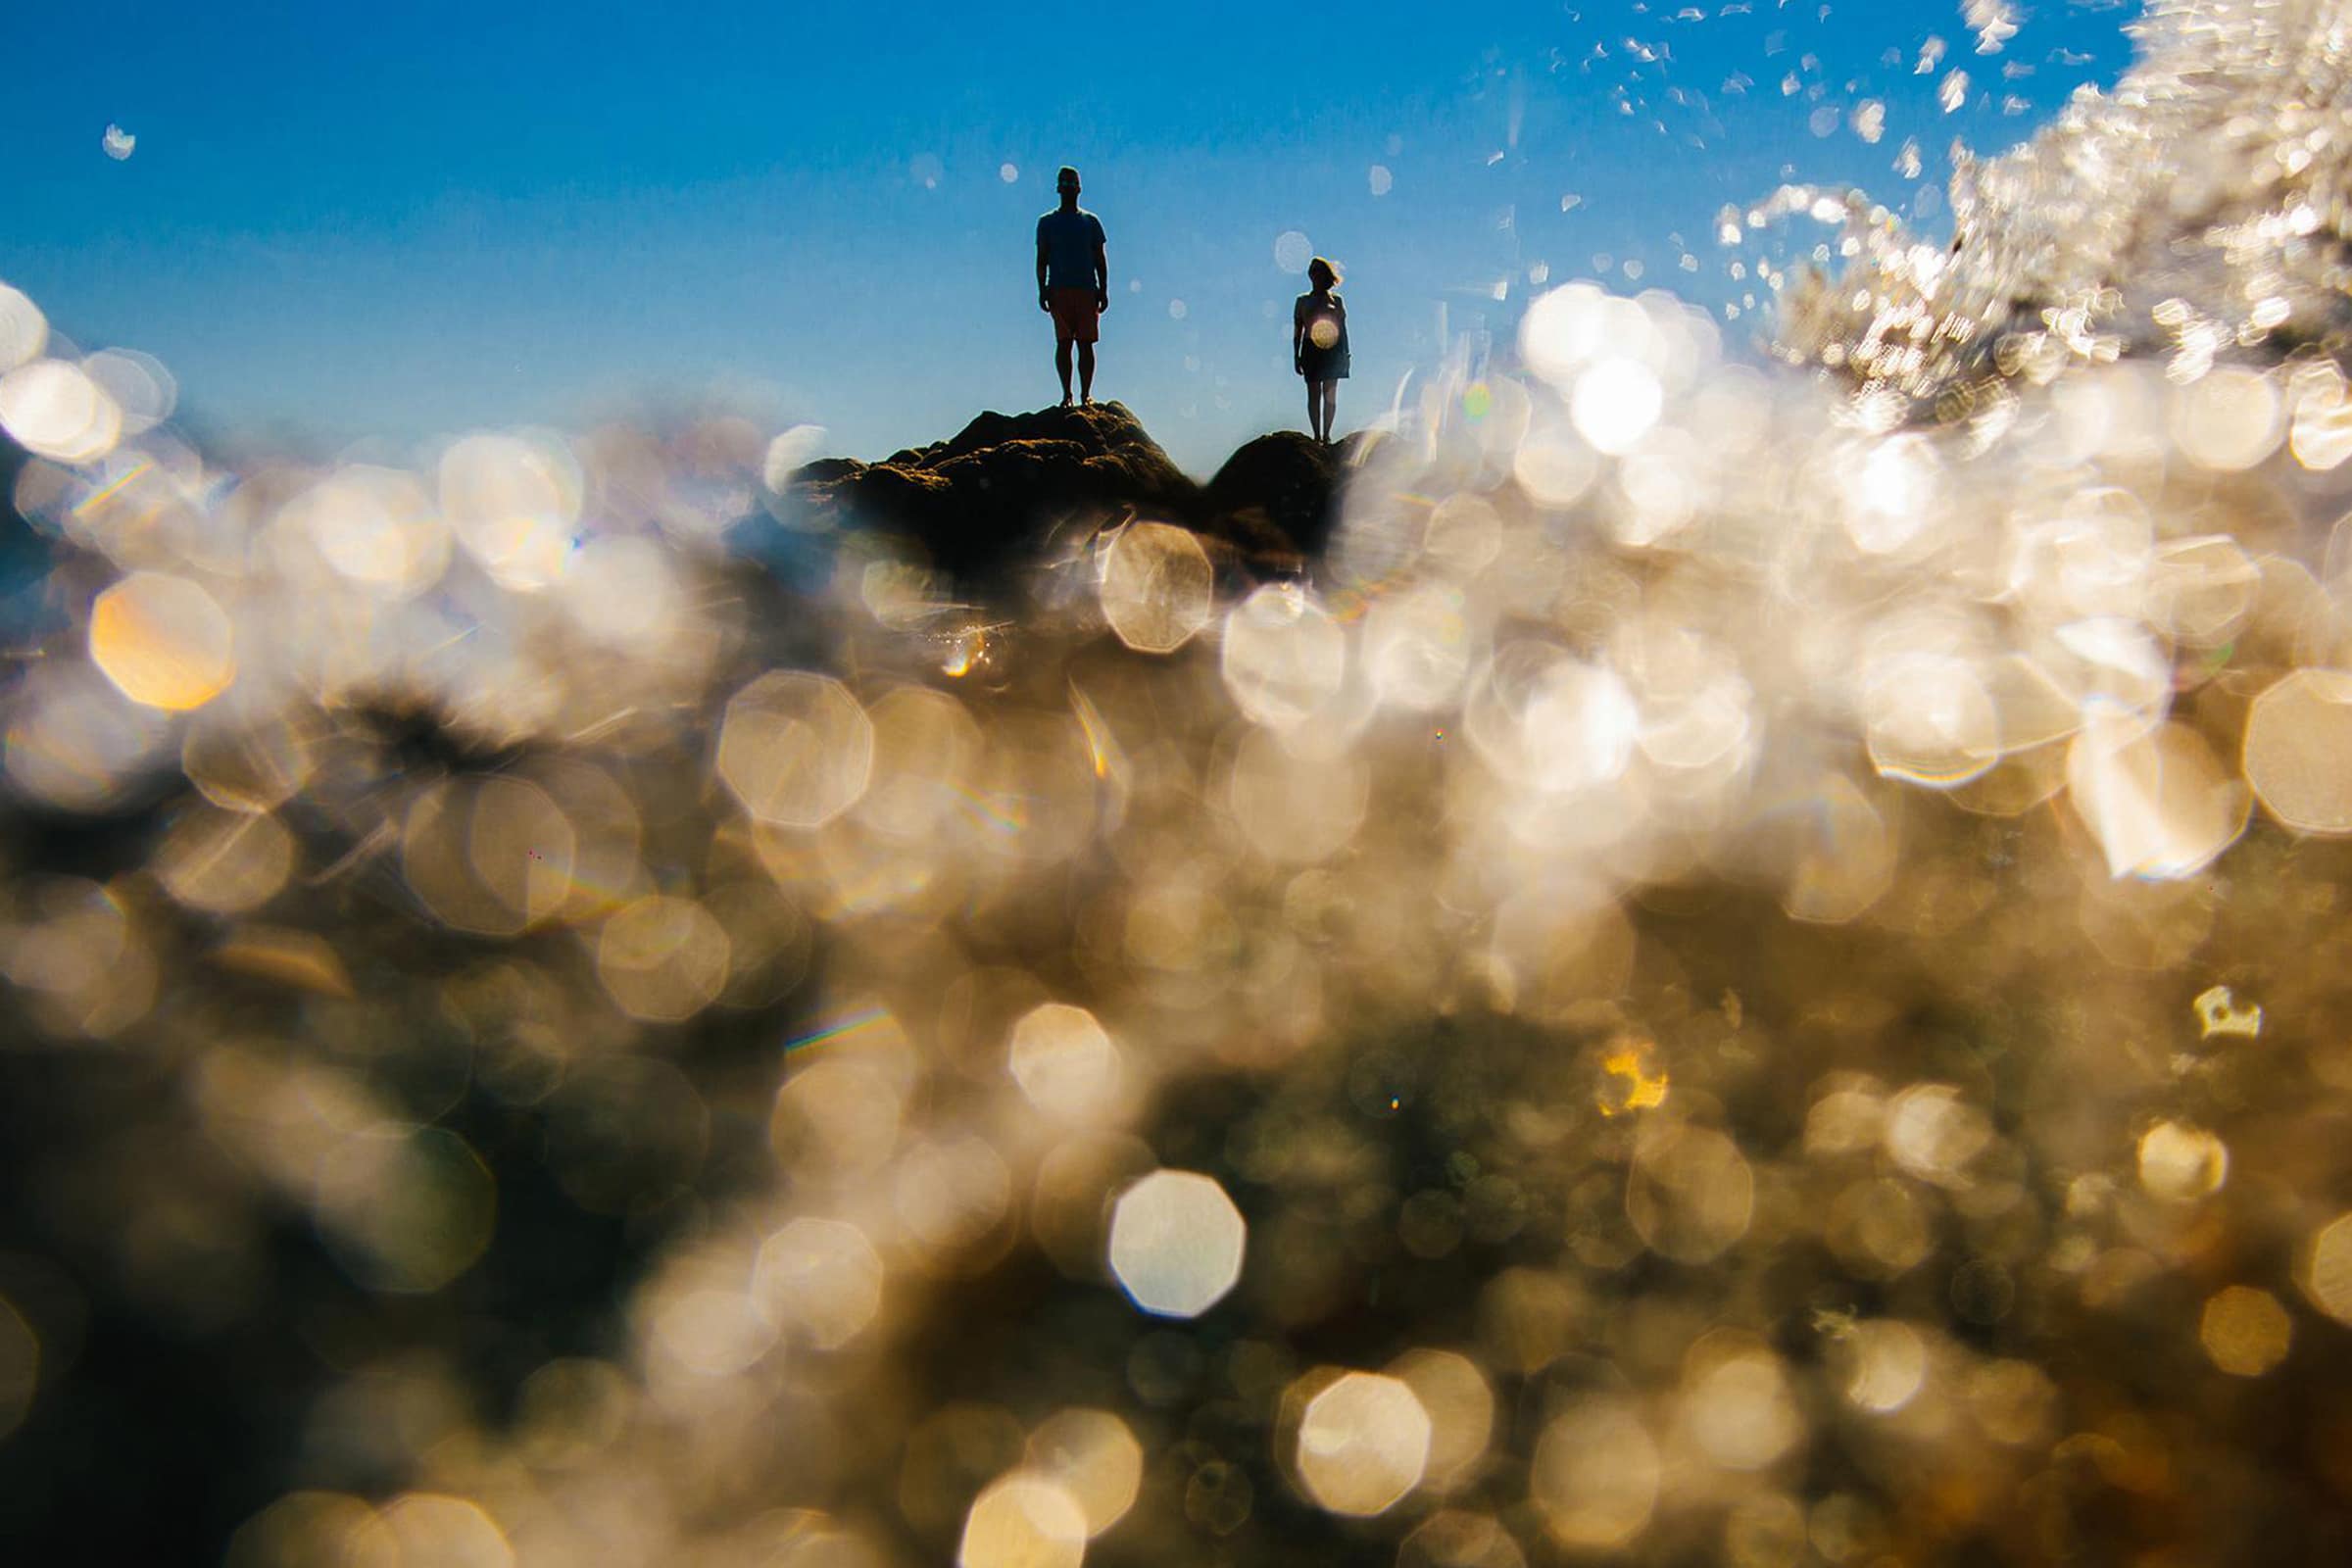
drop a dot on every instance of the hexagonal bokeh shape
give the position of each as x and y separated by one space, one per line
1094 1457
1023 1521
2298 751
796 748
1176 1243
1064 1062
1364 1444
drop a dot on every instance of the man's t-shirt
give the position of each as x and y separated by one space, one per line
1069 240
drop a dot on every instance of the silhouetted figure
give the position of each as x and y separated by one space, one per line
1319 345
1073 283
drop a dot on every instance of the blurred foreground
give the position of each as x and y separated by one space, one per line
1737 970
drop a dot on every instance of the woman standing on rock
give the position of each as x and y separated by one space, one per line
1319 345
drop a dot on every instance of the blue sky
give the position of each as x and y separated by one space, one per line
415 219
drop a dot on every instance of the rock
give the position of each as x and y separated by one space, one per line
987 498
1286 481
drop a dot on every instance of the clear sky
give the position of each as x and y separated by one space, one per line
411 219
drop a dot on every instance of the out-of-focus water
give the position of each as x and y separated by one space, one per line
1751 972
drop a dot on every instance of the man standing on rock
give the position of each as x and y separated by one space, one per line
1073 283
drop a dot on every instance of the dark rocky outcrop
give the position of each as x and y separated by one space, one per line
990 496
1287 481
1003 484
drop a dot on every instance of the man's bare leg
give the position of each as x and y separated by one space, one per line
1086 376
1061 363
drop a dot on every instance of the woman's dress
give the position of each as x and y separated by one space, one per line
1323 350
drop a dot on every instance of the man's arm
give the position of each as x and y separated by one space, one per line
1101 276
1042 303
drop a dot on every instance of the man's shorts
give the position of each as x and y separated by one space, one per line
1074 314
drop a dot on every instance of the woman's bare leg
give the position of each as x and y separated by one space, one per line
1331 406
1314 409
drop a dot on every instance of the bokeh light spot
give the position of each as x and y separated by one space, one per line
1024 1520
1889 1364
951 1194
2180 1163
1176 1243
491 854
224 862
58 410
163 641
796 748
1931 722
1294 807
246 761
708 1330
140 386
663 959
2298 751
788 451
1615 404
1157 586
1284 657
1691 1194
2228 419
2154 796
1933 1133
2245 1332
2321 436
515 505
1596 1475
1094 1457
821 1278
313 1529
1737 1406
1460 1405
23 329
1063 1060
375 527
451 1531
1363 1443
1456 1538
406 1209
2328 1269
